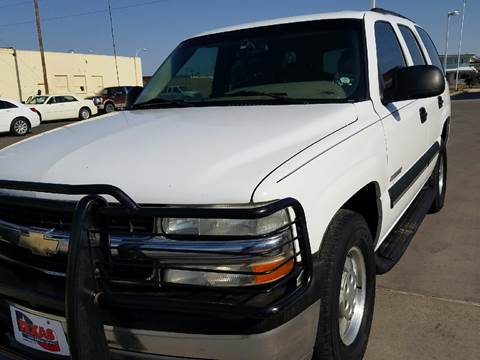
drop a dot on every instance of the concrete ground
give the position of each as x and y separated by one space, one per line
428 306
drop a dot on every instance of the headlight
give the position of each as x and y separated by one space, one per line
226 227
251 268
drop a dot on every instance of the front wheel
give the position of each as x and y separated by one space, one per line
109 107
20 127
347 291
84 113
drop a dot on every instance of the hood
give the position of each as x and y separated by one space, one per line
175 156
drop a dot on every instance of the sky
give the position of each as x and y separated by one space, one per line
159 25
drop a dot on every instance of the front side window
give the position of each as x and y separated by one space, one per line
430 46
389 54
412 44
38 100
311 62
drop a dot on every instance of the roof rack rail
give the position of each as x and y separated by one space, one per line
388 12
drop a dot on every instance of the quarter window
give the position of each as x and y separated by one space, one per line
389 54
430 46
412 44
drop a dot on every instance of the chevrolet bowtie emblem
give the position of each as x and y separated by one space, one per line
39 243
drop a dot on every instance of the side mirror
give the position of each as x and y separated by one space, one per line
415 82
133 95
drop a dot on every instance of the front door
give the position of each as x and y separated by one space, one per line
406 135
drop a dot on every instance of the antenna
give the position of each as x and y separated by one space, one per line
374 4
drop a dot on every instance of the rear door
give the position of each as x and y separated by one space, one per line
438 107
5 116
405 134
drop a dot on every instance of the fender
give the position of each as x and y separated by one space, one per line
325 177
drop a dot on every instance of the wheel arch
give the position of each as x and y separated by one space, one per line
367 202
446 131
21 117
109 102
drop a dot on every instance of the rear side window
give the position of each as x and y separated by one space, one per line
430 46
389 53
6 105
413 46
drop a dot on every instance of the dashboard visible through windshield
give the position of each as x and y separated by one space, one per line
310 62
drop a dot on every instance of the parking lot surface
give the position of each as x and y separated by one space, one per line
428 306
6 139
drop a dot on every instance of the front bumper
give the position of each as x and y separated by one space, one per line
293 340
277 321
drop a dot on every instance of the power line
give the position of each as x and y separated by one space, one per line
93 12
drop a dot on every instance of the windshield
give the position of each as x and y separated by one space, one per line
38 100
319 61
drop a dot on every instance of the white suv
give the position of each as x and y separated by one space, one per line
249 222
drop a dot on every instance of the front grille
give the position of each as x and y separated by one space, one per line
59 215
49 215
40 218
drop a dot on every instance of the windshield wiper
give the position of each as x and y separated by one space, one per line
279 96
156 102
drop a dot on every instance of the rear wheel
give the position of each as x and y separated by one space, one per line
20 127
84 113
347 273
439 181
109 107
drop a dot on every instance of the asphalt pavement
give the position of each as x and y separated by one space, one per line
6 139
428 306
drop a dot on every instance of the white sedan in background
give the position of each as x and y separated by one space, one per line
17 118
59 107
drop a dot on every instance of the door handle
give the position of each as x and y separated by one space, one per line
423 115
440 102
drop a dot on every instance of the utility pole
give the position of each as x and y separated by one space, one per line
113 40
374 4
40 45
460 45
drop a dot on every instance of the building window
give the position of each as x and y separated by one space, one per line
79 84
96 83
61 83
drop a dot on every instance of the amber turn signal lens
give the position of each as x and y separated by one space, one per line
272 271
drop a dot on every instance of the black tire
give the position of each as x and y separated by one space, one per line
20 127
109 107
347 231
84 113
438 181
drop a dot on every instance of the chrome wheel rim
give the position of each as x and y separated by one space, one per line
20 127
441 177
352 296
84 114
